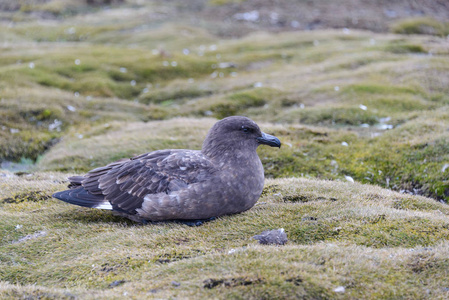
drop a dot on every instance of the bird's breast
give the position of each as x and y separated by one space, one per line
245 183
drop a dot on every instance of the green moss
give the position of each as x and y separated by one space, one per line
398 104
50 33
266 53
420 26
231 282
427 264
415 204
46 114
381 161
312 231
41 114
99 71
16 293
399 166
34 196
176 256
219 258
238 102
378 89
158 113
173 93
26 144
252 98
187 67
336 115
399 47
392 233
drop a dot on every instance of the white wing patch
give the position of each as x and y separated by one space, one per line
104 205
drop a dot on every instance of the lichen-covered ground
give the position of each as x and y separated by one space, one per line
81 86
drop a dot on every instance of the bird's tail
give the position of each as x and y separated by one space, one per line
79 196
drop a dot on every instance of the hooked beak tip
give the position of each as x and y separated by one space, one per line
269 140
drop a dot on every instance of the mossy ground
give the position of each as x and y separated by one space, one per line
374 242
81 86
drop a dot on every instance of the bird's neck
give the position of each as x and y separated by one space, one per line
222 154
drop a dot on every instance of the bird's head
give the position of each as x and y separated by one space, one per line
237 133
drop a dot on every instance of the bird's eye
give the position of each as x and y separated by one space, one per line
247 130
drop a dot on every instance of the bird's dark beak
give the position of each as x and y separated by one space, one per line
269 140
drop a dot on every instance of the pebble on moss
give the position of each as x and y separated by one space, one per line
272 237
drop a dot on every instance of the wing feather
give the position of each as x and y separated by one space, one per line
125 183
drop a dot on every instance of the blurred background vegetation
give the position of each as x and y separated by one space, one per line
356 90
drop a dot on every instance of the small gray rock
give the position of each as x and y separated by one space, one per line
272 237
116 283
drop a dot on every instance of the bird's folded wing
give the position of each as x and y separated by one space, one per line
125 183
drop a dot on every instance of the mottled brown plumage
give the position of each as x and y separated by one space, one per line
225 177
